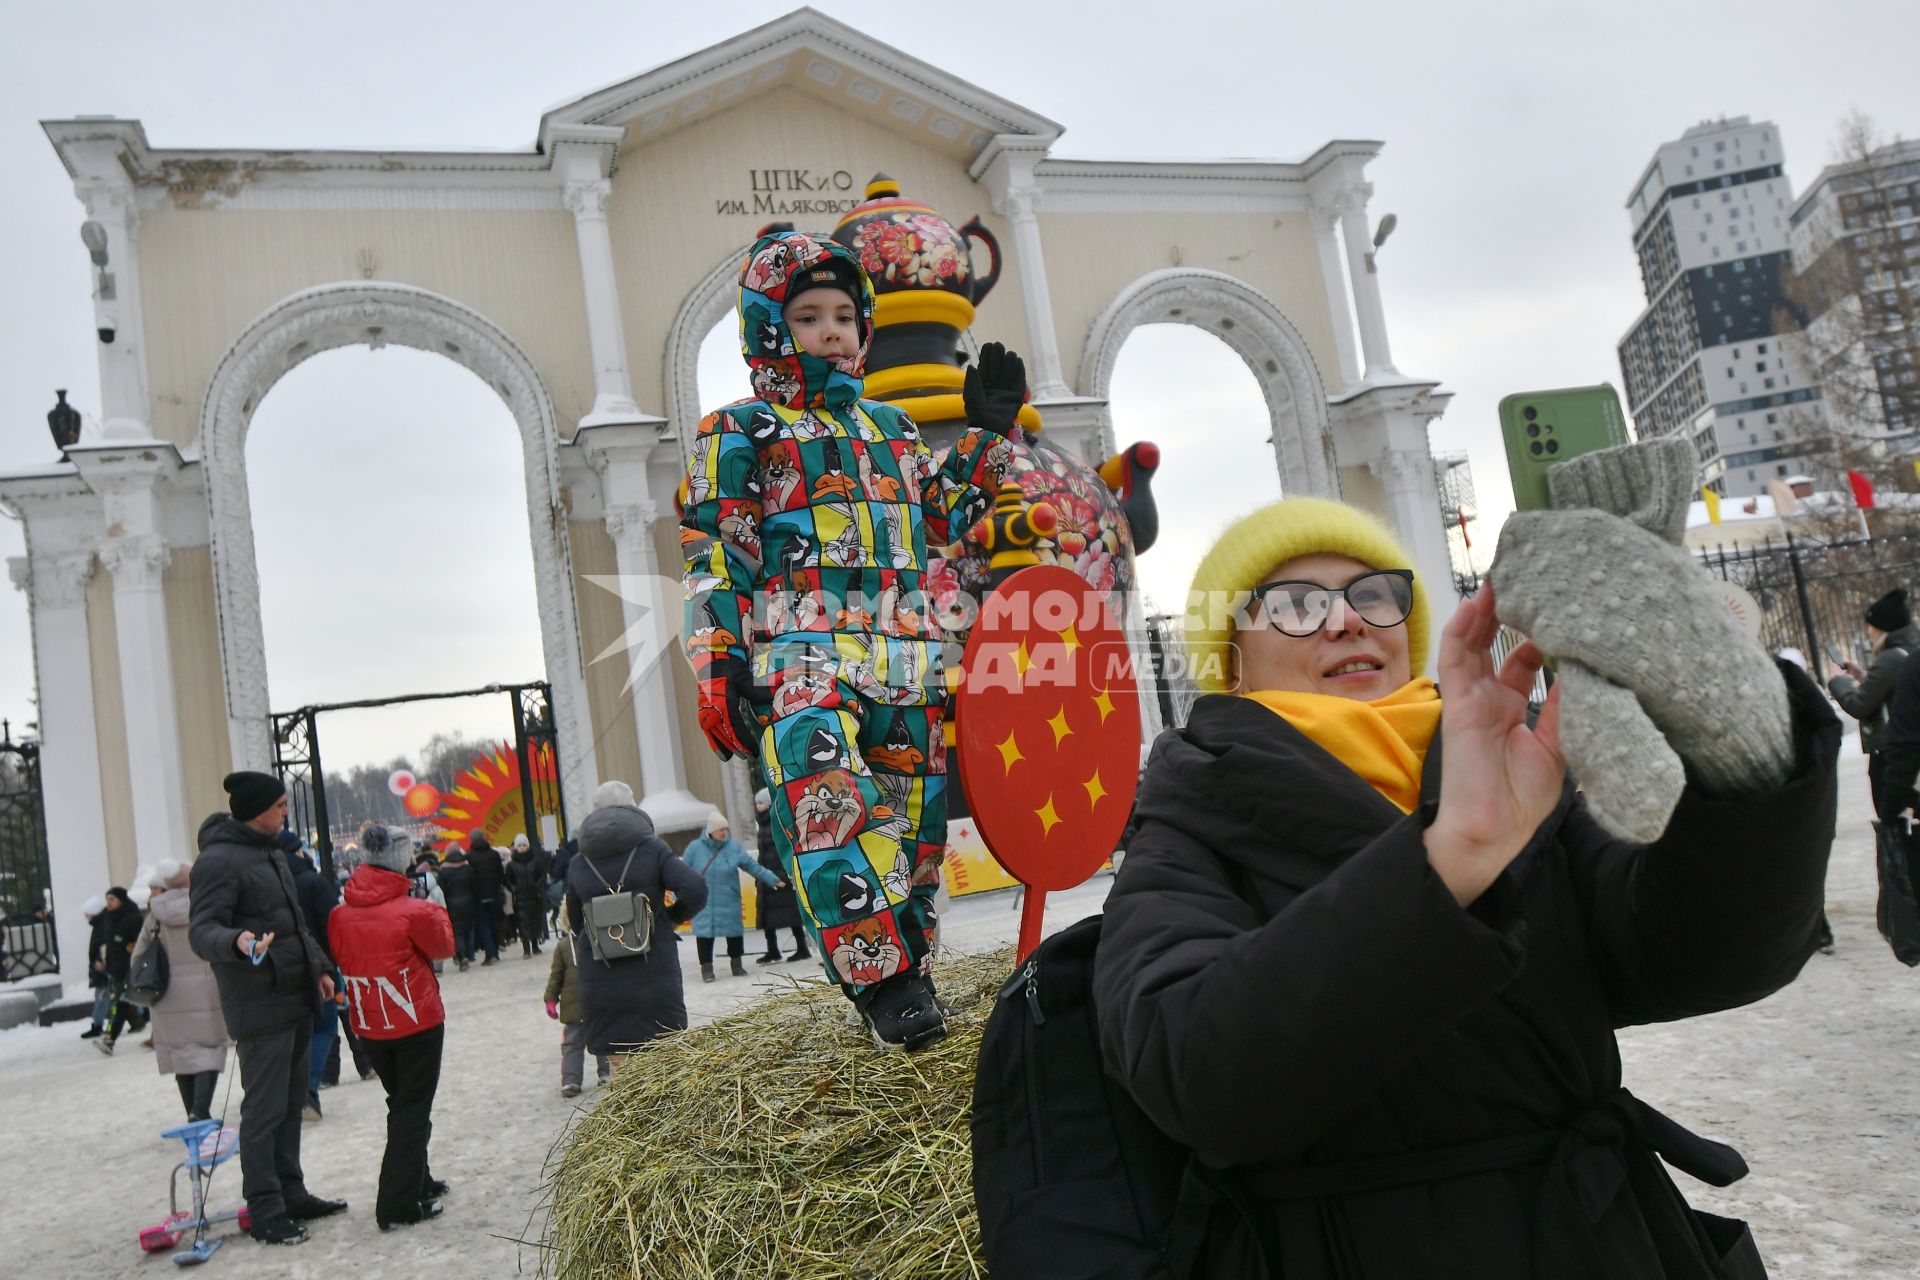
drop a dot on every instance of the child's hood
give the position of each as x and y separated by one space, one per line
782 373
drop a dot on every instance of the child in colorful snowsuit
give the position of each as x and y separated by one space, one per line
563 1005
807 524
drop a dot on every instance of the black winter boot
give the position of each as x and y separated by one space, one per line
739 969
706 973
900 1014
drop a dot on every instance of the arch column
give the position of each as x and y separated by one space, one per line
1383 447
56 587
374 313
136 555
583 159
620 454
1006 167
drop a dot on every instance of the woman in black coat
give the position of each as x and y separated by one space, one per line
628 1002
456 886
775 909
1379 988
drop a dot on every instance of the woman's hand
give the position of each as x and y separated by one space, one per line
1502 778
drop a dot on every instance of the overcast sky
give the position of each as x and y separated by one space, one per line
387 488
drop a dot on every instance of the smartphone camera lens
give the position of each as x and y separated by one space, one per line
1529 413
1553 446
1534 448
1533 429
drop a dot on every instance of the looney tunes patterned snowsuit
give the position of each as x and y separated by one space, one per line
816 508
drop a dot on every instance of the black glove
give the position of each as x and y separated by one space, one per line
995 388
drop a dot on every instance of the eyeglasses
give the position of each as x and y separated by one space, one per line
1382 598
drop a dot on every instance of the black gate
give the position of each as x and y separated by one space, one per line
26 884
536 744
1813 594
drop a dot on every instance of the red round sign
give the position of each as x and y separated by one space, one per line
1047 719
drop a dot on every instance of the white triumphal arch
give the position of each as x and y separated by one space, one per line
577 277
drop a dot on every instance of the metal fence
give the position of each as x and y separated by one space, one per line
25 882
1813 593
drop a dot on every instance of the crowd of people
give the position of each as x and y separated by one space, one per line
289 968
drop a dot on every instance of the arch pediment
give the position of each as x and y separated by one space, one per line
808 51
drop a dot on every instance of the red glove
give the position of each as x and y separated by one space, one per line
553 1010
726 709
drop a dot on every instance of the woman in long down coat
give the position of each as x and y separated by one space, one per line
628 1002
719 859
1370 960
189 1031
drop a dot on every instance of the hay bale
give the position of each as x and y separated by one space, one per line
778 1142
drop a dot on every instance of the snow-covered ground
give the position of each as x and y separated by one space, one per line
1819 1087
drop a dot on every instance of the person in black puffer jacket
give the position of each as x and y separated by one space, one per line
627 1002
526 875
118 934
457 887
273 976
488 874
318 896
775 909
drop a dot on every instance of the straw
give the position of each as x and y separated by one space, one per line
778 1142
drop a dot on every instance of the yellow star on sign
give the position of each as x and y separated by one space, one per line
1022 660
1048 818
1070 638
1095 792
1059 726
1010 753
1105 704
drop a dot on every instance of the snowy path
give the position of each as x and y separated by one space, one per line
1819 1087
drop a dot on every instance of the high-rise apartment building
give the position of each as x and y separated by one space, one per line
1856 247
1710 228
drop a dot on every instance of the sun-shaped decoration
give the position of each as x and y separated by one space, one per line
486 795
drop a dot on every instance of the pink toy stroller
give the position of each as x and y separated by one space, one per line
208 1144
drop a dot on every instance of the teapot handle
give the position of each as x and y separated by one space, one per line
983 285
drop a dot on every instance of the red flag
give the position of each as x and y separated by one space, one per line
1862 490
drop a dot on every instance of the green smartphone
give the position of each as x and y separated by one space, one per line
1543 428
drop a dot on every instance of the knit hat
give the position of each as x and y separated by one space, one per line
387 847
717 822
1253 545
520 841
164 873
1890 612
289 840
609 794
93 906
763 798
251 794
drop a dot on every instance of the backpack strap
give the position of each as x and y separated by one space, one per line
621 887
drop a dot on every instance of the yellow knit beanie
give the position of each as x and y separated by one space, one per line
1254 544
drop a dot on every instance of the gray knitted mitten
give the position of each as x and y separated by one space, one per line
1652 666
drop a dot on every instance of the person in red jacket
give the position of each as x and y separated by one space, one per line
385 942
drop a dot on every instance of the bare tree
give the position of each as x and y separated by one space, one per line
1853 320
446 755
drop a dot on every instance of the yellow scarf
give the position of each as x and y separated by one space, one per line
1384 741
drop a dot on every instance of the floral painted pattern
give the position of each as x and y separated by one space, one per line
1093 539
905 250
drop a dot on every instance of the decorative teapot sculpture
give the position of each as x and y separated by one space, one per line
926 285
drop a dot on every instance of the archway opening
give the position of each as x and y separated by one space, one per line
722 374
1194 396
391 537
